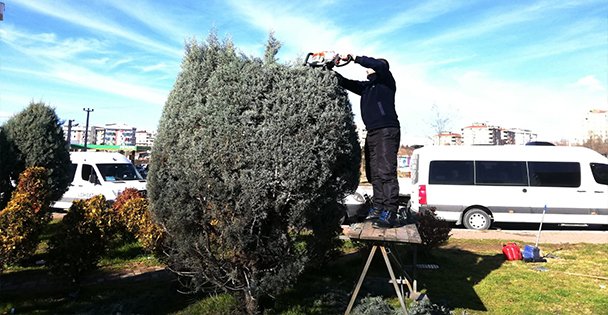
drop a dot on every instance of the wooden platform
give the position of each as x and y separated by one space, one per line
365 231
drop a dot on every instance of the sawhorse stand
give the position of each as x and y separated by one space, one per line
381 237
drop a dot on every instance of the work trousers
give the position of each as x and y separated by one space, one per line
381 146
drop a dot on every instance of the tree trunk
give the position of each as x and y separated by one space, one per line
251 304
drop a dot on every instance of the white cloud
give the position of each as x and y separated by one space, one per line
90 19
155 67
590 83
84 78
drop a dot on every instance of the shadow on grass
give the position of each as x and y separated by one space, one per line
460 270
328 291
149 293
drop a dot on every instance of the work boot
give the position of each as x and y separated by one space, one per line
387 220
373 213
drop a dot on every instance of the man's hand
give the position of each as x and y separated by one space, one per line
347 57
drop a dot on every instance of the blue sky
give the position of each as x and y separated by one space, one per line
538 65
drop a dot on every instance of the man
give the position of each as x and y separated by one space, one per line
383 136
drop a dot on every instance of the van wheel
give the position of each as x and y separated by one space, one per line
477 219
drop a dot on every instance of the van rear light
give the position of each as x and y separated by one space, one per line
422 194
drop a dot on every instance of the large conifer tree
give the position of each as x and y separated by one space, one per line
35 138
5 178
249 154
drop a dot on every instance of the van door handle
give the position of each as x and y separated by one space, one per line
581 191
598 192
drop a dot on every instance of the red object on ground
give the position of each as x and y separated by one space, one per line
511 251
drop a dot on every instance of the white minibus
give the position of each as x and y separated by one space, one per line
478 185
99 173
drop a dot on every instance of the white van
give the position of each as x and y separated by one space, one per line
99 173
478 185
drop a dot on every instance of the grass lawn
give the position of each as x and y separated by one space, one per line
473 276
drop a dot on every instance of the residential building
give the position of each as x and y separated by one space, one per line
448 138
481 134
74 134
114 134
484 134
144 138
516 136
596 124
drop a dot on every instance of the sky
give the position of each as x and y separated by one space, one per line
537 65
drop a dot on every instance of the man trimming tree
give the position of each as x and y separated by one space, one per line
383 136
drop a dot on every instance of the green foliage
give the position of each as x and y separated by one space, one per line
425 307
82 238
224 304
24 218
35 138
374 305
132 213
5 178
433 231
248 155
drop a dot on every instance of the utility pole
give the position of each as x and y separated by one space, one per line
70 132
86 130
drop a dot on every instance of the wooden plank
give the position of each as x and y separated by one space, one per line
408 234
370 233
365 231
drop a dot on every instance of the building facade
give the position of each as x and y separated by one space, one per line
144 138
596 124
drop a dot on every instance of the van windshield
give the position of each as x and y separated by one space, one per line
118 172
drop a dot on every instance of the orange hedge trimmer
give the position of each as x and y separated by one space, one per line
326 60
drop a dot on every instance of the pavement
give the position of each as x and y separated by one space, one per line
529 236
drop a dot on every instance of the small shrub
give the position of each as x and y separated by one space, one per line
425 307
433 231
139 222
24 217
124 196
373 305
132 213
82 239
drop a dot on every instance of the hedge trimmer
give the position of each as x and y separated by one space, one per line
326 60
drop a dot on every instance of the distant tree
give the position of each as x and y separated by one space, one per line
439 122
596 143
35 138
249 164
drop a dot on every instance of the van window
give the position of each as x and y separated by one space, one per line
87 171
114 172
555 174
72 171
451 173
502 173
600 173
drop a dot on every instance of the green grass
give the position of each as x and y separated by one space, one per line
473 277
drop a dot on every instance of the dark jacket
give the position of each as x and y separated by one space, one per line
377 96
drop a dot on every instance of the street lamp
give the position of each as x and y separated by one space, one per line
86 130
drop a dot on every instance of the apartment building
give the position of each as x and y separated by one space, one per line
596 124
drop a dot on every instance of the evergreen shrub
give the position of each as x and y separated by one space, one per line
433 230
251 155
35 138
